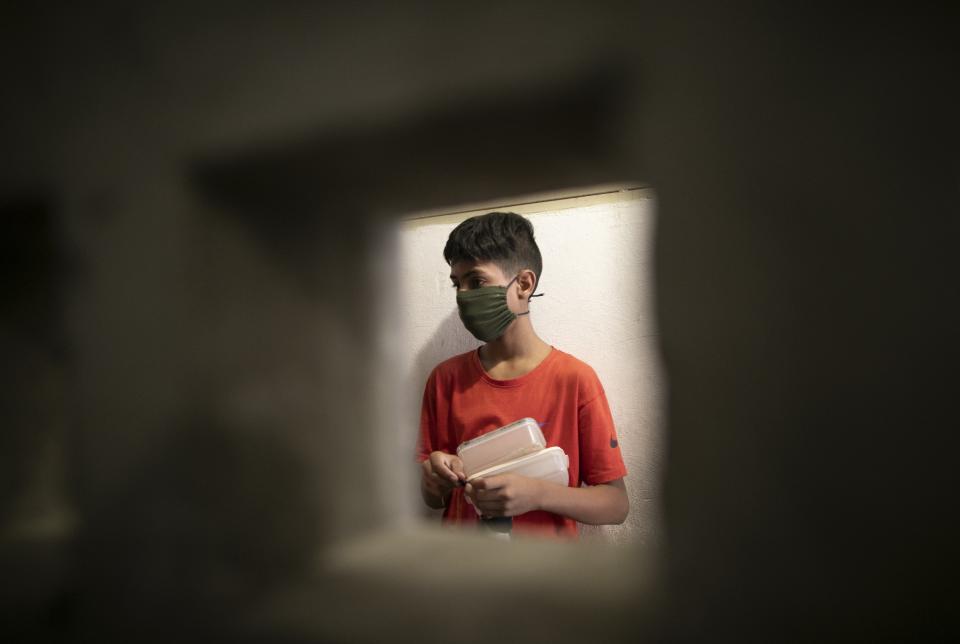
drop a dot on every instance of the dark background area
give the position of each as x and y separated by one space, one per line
189 200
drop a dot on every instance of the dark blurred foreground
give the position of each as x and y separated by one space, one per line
190 204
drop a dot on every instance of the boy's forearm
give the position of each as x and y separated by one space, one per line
602 504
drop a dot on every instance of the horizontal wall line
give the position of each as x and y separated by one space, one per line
546 198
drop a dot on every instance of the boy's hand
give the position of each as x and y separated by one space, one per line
506 495
441 473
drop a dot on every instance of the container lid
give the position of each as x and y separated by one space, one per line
552 459
523 422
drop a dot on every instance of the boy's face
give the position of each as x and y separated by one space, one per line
467 276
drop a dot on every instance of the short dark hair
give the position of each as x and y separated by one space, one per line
504 238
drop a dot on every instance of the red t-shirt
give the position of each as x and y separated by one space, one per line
461 401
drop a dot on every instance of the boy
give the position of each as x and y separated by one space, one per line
495 267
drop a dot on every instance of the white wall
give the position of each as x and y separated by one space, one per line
598 306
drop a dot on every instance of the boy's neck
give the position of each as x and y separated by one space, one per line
518 344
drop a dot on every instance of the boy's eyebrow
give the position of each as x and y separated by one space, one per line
469 273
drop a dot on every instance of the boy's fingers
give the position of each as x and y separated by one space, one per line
440 466
489 483
489 495
427 467
436 484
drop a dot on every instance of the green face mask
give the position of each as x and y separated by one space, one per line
484 311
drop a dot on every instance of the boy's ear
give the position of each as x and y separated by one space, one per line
527 280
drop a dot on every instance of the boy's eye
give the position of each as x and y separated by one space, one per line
471 283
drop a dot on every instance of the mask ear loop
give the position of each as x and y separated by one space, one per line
527 312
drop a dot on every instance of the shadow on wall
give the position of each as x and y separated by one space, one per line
37 426
215 518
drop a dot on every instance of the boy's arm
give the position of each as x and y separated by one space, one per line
509 495
439 474
432 490
603 504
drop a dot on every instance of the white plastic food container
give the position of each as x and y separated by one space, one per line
501 445
550 464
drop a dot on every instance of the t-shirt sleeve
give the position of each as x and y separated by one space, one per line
428 439
600 457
